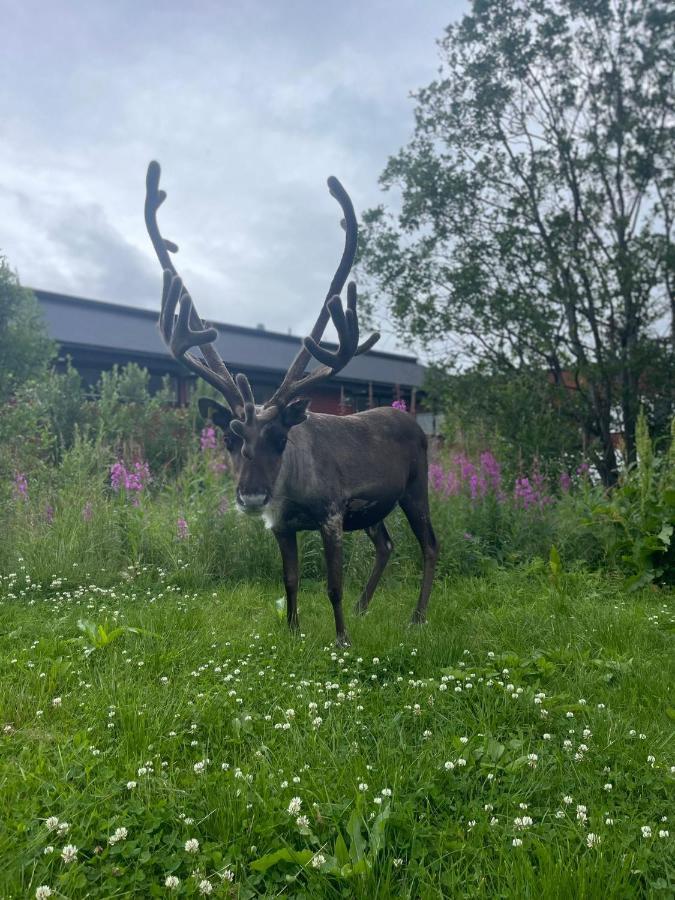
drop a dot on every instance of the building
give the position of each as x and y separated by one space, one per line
97 336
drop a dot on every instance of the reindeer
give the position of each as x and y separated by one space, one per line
304 471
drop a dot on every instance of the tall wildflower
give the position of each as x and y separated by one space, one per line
133 480
20 487
400 404
207 439
182 530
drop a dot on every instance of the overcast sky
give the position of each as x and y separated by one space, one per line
248 106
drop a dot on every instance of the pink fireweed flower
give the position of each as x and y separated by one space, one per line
20 486
182 529
400 404
207 438
134 479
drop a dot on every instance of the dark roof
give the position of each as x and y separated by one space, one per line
80 322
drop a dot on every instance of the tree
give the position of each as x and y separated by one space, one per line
25 348
536 222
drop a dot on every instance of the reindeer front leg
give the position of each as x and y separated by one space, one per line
331 534
288 545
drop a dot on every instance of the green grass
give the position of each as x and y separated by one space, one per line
602 658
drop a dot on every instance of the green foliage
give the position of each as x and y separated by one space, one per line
638 516
522 415
25 349
534 232
97 637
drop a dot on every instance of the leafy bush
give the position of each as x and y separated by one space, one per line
636 519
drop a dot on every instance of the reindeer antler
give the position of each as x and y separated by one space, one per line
186 330
345 321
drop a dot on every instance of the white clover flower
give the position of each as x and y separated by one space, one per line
517 842
228 874
664 833
63 827
199 767
302 822
646 831
567 800
317 722
494 821
52 822
461 762
609 821
69 853
318 860
449 766
119 835
205 887
48 849
592 840
560 814
546 736
56 701
42 892
363 787
569 715
522 822
142 770
464 740
608 786
294 806
171 882
192 845
532 760
131 785
386 792
290 713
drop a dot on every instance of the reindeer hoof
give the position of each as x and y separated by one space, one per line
342 640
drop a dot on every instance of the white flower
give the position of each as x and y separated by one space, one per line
646 831
119 835
48 849
386 792
42 892
664 833
228 874
69 853
449 766
464 740
608 786
461 762
363 787
205 887
131 785
52 823
318 860
517 842
494 821
290 713
56 701
192 845
547 736
532 760
199 767
592 840
302 822
522 822
142 771
317 722
171 882
567 800
294 806
63 827
609 821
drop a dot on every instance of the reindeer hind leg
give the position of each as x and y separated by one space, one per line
415 505
382 542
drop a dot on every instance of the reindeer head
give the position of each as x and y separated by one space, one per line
256 436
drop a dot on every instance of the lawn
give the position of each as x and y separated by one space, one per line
519 745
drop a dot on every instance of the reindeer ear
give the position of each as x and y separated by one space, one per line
295 412
219 414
